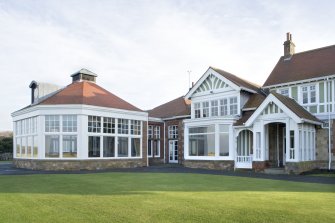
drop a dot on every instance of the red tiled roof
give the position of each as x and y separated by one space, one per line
176 107
238 81
305 65
88 93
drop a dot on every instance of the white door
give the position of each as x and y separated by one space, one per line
173 151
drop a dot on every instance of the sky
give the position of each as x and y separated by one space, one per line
142 50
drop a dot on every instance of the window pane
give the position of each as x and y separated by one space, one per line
214 108
122 126
224 144
69 123
35 150
109 146
94 146
205 109
29 146
52 123
135 127
23 146
122 146
202 145
197 113
18 147
109 125
69 146
156 147
149 148
206 129
94 124
135 147
52 146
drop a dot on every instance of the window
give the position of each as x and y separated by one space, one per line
135 147
173 132
284 92
94 146
69 146
52 146
224 107
156 147
69 123
122 126
308 94
202 141
233 106
157 132
109 125
52 123
135 127
149 148
291 144
29 146
94 124
109 146
150 131
35 147
214 108
197 113
205 109
18 147
123 146
224 140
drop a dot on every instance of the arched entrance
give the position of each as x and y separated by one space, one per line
244 149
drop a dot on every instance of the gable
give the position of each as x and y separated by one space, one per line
210 83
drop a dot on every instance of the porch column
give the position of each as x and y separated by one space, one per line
262 141
287 157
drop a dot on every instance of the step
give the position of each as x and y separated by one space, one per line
274 171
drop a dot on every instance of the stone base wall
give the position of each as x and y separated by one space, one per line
259 166
204 164
300 167
35 164
156 161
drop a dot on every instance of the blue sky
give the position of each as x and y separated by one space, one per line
142 50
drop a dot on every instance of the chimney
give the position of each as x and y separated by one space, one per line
289 46
33 85
84 75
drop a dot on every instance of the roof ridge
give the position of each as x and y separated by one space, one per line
242 79
312 50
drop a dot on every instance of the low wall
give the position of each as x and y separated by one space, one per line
300 167
210 164
6 156
259 166
37 164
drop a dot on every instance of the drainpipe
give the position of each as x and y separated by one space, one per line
329 125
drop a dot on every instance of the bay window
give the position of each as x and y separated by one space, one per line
94 146
202 141
69 146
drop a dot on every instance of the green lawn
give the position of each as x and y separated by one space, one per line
159 197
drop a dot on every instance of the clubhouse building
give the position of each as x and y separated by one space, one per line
223 122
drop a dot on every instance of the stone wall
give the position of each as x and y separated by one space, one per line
259 166
38 164
300 167
322 140
6 156
204 164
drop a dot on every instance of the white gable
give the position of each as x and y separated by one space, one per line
212 82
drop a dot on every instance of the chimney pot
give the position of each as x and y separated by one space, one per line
289 46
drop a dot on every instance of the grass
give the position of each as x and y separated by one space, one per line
161 197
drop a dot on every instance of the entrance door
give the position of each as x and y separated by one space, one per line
173 151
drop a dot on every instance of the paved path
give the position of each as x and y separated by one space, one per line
9 169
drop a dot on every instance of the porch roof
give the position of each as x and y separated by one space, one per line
257 103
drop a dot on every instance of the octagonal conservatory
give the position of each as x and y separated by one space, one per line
80 126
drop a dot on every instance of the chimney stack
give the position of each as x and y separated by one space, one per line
289 46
